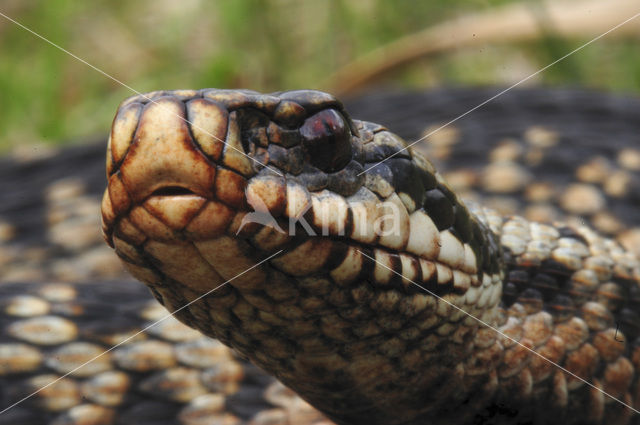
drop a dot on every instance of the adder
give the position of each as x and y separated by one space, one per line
372 290
381 302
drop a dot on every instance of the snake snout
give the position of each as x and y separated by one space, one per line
152 150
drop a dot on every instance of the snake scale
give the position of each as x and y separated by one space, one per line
381 299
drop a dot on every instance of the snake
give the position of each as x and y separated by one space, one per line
337 259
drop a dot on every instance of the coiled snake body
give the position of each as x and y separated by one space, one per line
375 308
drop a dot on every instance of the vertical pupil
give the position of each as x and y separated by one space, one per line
326 139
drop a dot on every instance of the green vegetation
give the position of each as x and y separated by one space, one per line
47 96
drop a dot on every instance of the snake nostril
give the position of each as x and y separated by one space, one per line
172 191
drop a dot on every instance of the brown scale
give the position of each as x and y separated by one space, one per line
379 350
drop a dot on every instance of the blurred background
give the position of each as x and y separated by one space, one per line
48 97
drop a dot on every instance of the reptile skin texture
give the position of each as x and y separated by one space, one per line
382 293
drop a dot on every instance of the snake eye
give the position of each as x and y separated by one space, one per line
327 140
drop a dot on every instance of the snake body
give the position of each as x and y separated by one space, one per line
380 300
165 374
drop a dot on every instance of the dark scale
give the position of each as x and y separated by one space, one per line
555 268
278 158
312 100
629 322
492 255
267 104
612 295
561 307
510 293
427 177
634 298
519 277
312 178
546 284
439 208
375 152
406 178
463 223
348 180
253 125
281 136
531 299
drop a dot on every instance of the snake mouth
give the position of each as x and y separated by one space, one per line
172 190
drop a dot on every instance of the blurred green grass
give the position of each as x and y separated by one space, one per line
47 96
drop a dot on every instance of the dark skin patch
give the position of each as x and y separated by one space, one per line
509 294
338 253
546 284
555 268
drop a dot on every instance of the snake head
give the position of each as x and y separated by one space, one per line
204 185
189 148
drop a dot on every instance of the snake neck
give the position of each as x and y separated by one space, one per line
385 299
